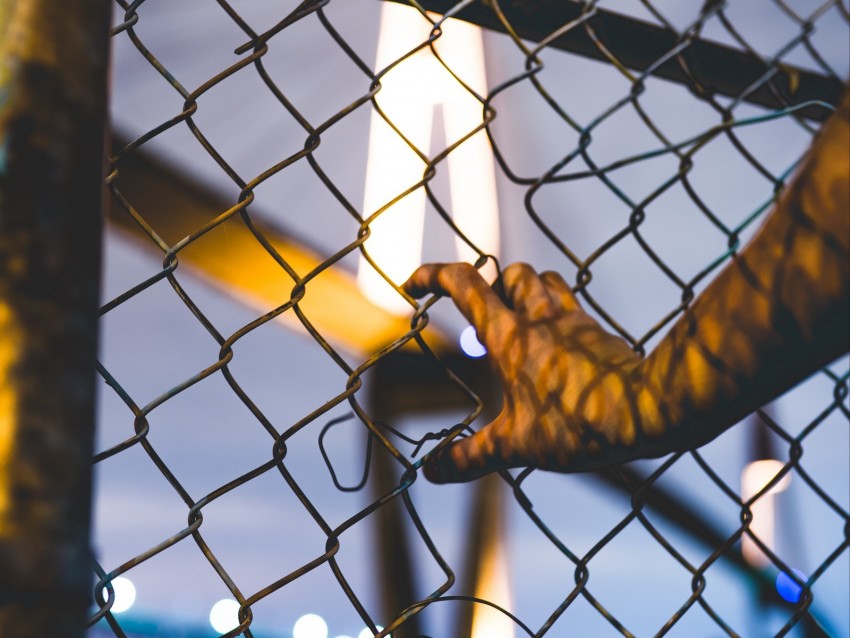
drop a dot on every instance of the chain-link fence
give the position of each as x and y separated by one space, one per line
637 146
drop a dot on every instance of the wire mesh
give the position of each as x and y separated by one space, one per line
662 159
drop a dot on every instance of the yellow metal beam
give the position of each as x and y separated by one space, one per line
230 257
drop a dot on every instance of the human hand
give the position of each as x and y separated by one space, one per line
570 387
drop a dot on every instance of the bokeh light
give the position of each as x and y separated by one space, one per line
787 588
125 594
367 633
469 343
310 626
224 615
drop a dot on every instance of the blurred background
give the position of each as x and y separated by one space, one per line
252 349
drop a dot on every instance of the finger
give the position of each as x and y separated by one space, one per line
475 299
526 293
469 458
560 291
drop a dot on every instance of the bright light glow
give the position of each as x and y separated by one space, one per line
310 626
469 343
753 479
224 615
492 575
10 346
125 594
341 636
493 585
787 588
759 473
367 633
409 95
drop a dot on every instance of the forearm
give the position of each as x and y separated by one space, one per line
776 314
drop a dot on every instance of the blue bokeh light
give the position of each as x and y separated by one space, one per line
787 588
469 343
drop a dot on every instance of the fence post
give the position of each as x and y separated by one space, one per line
53 68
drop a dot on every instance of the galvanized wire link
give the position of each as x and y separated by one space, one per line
582 164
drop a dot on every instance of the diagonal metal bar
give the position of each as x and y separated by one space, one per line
638 45
174 206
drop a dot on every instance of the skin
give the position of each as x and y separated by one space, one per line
578 398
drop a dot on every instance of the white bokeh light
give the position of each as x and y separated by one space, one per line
224 615
125 594
469 343
310 626
367 633
754 478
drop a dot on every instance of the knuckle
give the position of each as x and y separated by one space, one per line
458 272
551 275
517 270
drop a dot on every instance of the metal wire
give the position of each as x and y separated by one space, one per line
577 165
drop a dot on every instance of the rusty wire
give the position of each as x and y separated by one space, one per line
576 165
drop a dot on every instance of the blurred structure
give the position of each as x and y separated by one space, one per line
262 420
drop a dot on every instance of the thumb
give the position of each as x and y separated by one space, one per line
469 458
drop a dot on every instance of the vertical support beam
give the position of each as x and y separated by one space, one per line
396 582
395 555
53 69
407 383
483 569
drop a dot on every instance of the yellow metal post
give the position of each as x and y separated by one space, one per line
53 67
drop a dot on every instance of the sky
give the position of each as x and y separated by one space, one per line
207 437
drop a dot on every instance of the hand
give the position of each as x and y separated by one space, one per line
570 387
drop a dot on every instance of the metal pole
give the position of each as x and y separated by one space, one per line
407 383
638 45
486 529
53 68
395 554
